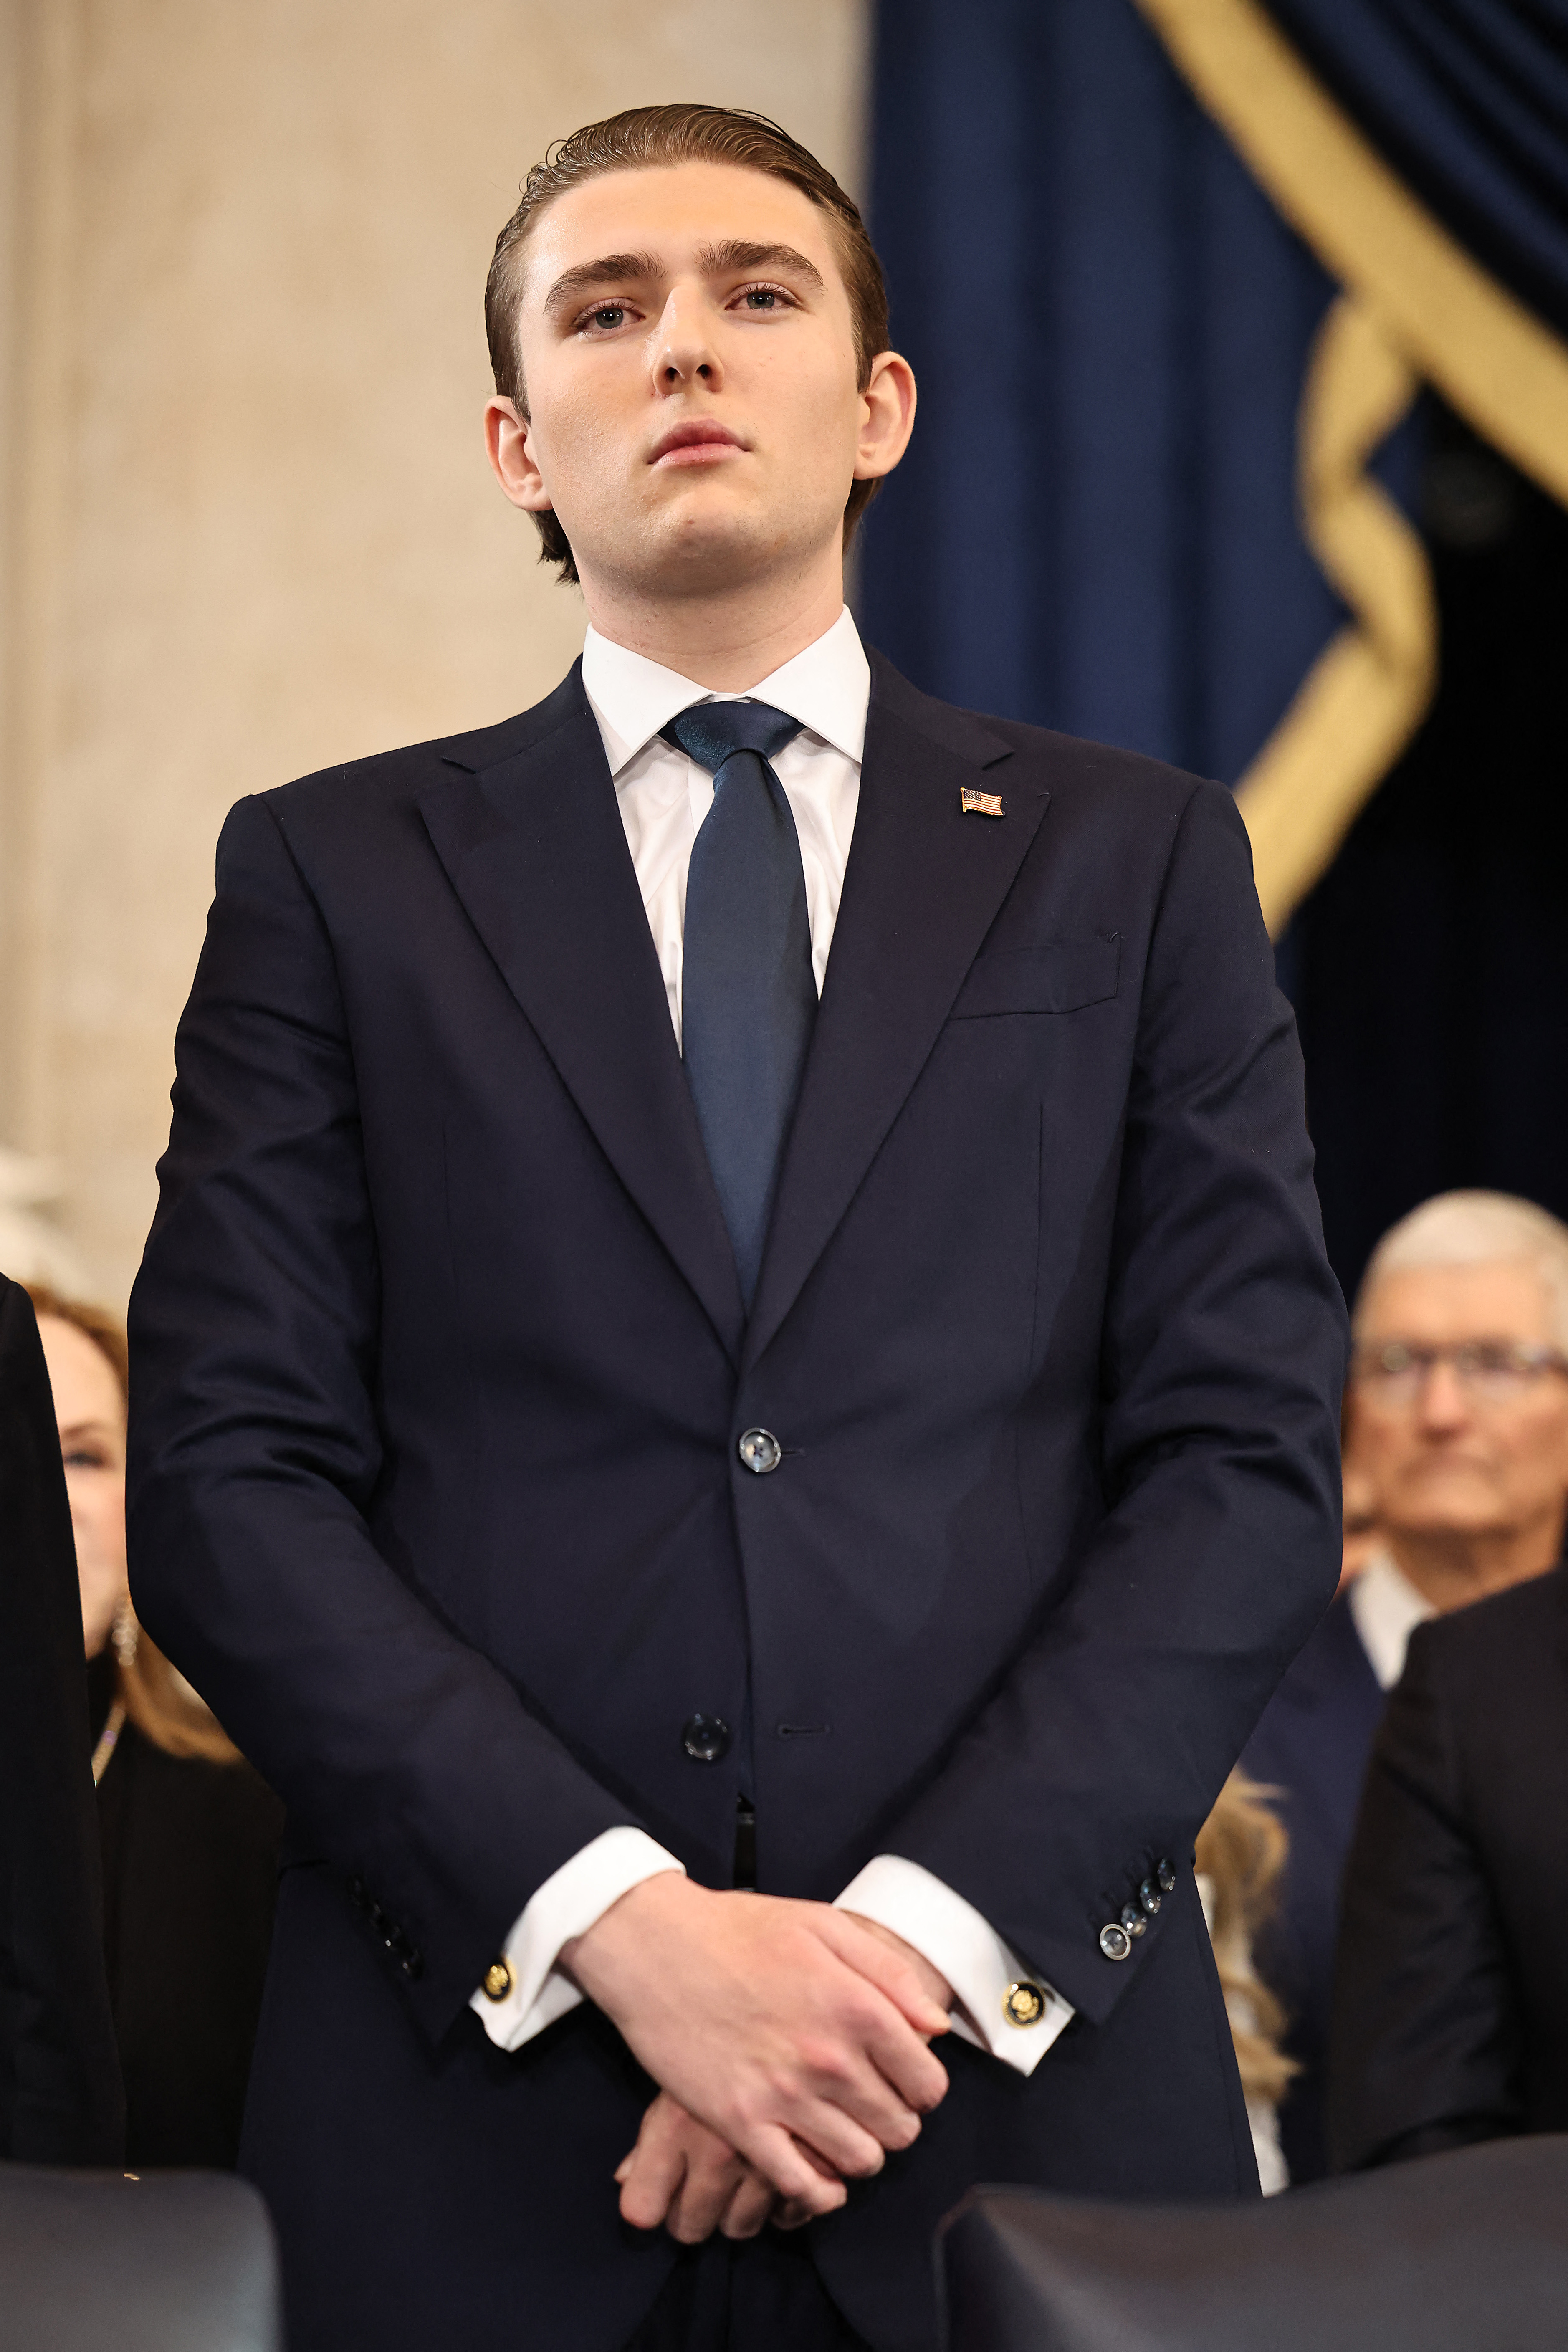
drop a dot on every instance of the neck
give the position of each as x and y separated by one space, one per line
728 638
1450 1570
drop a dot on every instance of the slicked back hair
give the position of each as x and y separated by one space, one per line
642 139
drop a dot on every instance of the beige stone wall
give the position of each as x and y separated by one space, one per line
246 524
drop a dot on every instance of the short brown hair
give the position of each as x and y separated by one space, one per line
640 140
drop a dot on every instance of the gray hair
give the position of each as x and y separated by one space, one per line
1474 1229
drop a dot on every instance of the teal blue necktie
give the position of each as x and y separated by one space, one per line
748 996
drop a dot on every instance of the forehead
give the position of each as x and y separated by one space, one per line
669 211
1501 1298
81 1374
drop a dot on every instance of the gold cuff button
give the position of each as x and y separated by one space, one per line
498 1980
1022 2004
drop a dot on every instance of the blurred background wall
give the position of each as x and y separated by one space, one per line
246 524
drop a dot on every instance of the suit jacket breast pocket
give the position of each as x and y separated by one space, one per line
1060 976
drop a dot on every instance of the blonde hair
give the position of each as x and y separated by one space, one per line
158 1699
1473 1229
1241 1851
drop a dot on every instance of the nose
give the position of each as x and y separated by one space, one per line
683 352
1443 1400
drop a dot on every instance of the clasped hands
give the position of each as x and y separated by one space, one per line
791 2041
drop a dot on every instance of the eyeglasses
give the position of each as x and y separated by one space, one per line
1491 1371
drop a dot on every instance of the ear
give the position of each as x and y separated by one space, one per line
508 444
887 416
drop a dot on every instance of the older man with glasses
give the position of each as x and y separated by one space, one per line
1456 1426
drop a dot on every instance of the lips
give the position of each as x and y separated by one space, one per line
699 443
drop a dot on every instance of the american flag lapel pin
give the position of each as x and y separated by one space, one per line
975 804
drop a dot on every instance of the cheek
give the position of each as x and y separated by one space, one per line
98 1516
1537 1449
574 437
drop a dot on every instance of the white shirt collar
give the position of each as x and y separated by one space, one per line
826 688
1385 1610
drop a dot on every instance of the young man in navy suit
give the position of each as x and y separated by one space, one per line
737 1304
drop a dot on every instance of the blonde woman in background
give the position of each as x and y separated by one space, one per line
1241 1851
190 1832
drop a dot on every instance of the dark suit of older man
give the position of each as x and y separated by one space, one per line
1450 2016
439 1491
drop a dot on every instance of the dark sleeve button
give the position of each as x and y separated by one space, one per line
760 1449
1149 1895
705 1738
1114 1940
1167 1878
413 1965
1132 1919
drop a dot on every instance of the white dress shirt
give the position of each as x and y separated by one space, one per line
663 797
1385 1610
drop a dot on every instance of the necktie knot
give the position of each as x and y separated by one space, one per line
709 732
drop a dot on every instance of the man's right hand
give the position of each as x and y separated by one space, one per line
774 2021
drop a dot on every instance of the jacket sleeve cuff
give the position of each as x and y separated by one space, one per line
531 1991
999 2002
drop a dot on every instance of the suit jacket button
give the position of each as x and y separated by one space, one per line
413 1965
705 1738
498 1980
1167 1878
1132 1919
1023 2003
1149 1895
1114 1940
760 1451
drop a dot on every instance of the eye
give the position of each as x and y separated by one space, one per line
608 315
765 298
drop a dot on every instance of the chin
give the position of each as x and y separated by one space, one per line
1450 1515
710 539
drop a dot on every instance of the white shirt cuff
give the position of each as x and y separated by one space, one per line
567 1904
961 1942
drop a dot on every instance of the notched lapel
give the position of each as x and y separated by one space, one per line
534 849
923 886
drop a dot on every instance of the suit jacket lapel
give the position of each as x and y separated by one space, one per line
534 849
923 888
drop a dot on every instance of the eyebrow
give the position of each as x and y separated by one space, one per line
712 260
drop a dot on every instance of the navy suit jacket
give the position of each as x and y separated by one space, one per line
439 1364
1312 1746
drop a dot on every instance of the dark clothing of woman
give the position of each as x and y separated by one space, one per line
59 2083
190 1863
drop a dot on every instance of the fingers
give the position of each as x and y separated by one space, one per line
914 2073
790 2171
846 2108
883 1966
650 2178
749 2207
875 2066
714 2178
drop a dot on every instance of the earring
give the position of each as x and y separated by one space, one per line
127 1632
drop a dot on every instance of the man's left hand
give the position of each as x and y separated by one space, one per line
684 2175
